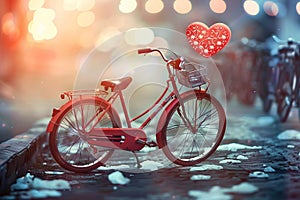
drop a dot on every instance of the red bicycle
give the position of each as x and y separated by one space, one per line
86 130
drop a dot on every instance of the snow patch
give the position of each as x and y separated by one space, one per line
216 192
265 121
294 168
243 188
151 165
54 172
290 146
269 169
31 187
118 178
236 146
241 157
206 167
38 194
58 184
258 174
289 135
116 167
230 161
200 177
23 183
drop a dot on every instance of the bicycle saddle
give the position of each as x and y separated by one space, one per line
117 84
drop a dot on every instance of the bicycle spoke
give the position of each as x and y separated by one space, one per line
188 146
68 142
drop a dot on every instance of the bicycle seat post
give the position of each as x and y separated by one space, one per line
124 108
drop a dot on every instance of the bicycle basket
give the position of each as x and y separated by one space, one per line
192 75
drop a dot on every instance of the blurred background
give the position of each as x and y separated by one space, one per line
42 43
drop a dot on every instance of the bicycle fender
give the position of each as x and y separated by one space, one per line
55 115
163 118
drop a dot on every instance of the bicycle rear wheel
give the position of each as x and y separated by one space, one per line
68 139
184 146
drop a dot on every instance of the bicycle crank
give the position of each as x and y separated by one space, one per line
128 139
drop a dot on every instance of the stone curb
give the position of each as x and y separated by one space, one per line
17 153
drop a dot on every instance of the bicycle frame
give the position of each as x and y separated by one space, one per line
172 95
129 121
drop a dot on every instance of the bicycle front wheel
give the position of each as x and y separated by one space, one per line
68 139
187 147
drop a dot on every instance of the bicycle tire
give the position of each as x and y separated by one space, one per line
174 131
66 141
285 98
267 104
285 102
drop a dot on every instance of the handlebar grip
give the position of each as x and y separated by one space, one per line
147 50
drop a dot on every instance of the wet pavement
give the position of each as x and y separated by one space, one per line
253 162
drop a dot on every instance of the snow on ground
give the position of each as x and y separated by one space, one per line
289 135
58 184
241 157
118 178
269 169
148 165
294 168
216 192
264 121
151 165
258 174
115 167
199 177
206 167
30 187
236 146
290 146
54 172
38 194
230 161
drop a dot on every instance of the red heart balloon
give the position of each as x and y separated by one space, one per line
208 41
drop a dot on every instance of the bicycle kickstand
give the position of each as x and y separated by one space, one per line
138 163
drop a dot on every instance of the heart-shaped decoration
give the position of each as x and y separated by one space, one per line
207 41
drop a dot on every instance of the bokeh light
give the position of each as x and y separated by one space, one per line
70 5
85 5
298 8
35 4
42 27
218 6
80 5
182 6
251 7
139 36
104 36
9 26
85 19
154 6
127 6
271 8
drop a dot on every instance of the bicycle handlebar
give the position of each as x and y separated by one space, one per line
173 62
289 41
147 50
